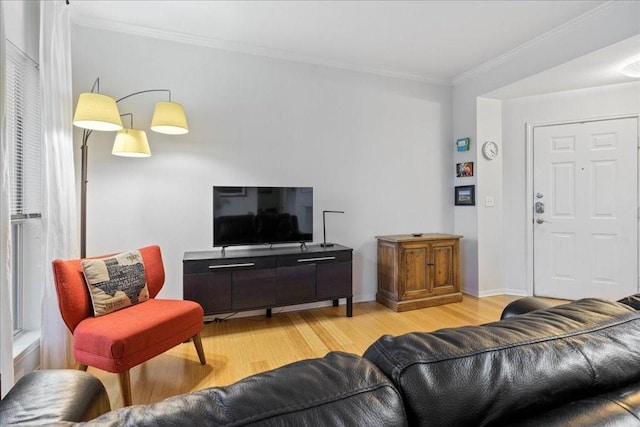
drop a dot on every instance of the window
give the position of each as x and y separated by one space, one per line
25 142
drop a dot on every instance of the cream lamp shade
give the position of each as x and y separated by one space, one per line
131 143
169 118
96 111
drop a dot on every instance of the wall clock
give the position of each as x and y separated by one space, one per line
490 150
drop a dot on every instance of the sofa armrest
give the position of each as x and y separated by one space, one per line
522 306
632 301
54 396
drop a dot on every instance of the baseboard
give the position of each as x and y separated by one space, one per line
516 292
502 291
364 298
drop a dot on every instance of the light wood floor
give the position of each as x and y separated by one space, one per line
240 347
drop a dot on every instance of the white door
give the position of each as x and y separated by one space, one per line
585 196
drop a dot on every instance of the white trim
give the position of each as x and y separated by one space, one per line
137 30
364 298
499 60
529 208
467 291
530 127
501 291
491 292
516 292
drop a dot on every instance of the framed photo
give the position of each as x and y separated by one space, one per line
464 169
462 144
465 195
231 191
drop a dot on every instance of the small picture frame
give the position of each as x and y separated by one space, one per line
465 195
462 144
464 169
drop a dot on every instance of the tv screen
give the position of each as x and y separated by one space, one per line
262 215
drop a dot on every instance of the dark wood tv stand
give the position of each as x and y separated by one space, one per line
249 279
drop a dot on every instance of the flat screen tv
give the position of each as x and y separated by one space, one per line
262 215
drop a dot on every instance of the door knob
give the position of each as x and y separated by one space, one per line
540 221
539 195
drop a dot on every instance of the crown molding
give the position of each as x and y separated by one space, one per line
501 59
247 49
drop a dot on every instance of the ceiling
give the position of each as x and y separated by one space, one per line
431 41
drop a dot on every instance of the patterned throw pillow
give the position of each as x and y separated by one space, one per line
115 282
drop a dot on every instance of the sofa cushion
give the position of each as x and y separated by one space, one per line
115 282
616 408
339 389
517 367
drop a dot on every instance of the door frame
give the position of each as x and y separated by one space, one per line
529 128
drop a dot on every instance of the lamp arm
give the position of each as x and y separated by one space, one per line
144 91
85 137
130 118
96 83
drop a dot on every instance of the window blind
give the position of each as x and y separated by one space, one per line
24 133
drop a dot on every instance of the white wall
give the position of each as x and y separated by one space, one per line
22 20
490 261
613 22
377 148
592 103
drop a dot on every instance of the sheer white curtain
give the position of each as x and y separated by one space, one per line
6 309
59 205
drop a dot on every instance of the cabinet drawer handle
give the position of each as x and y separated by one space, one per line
324 258
246 264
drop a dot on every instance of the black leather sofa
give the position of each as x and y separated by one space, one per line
572 365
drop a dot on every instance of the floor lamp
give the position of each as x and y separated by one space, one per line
96 111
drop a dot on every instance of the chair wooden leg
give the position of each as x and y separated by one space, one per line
198 343
125 387
82 367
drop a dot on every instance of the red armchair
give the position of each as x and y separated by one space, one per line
120 340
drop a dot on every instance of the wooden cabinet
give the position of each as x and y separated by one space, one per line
240 280
417 272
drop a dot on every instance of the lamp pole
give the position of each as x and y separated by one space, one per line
83 194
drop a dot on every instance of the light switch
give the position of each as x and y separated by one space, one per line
489 202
